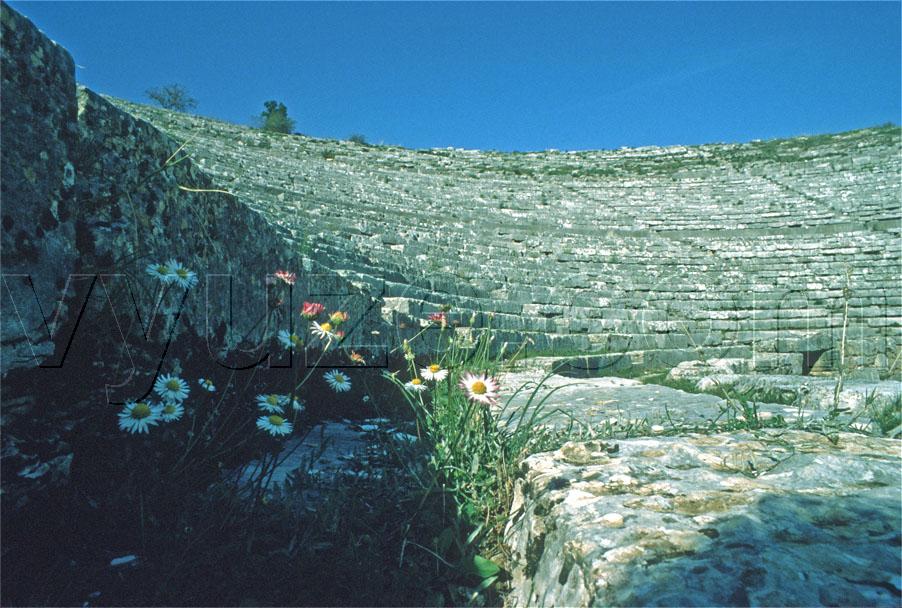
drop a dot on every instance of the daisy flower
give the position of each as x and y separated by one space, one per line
274 425
434 372
271 403
289 340
207 384
172 411
357 358
171 388
415 386
311 310
481 388
139 417
285 276
338 317
181 275
322 331
296 405
339 382
160 271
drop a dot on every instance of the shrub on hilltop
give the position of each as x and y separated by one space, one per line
172 97
275 118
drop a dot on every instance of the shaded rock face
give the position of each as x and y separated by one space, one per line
91 197
771 518
40 139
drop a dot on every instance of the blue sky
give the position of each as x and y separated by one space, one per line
504 76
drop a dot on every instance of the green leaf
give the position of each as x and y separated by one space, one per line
486 583
485 568
473 535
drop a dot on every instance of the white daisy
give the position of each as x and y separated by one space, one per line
171 388
415 386
271 403
322 331
160 271
339 382
434 372
290 340
297 405
181 275
207 384
274 425
139 417
171 411
481 388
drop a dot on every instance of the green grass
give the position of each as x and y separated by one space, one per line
888 417
472 458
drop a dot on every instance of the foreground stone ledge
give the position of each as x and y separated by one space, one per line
771 518
623 406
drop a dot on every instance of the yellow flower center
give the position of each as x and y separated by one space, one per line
478 387
327 327
140 411
294 339
434 367
174 385
276 420
161 269
416 381
169 409
272 400
339 378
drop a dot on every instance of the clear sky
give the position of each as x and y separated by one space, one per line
504 76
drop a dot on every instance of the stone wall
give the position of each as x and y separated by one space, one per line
89 190
40 140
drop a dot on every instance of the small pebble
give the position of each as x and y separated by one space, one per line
657 428
121 561
612 520
622 479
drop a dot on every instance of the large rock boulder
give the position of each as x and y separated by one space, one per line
774 518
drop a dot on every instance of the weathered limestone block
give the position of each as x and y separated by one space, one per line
803 343
40 136
775 518
765 363
815 394
620 405
693 370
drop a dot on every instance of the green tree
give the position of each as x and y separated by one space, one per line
172 97
275 118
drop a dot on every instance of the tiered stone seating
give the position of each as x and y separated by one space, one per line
718 247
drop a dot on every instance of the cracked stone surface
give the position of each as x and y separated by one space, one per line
771 518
